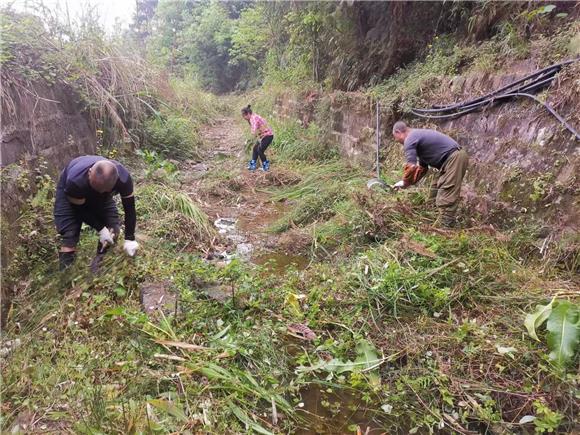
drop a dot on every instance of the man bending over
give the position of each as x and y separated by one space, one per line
426 148
85 194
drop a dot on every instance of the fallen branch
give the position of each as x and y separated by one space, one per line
169 357
182 345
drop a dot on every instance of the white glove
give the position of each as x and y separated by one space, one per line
105 237
130 247
399 184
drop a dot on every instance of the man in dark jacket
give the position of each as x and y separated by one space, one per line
426 148
85 194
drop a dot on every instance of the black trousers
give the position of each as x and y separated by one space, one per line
69 217
260 147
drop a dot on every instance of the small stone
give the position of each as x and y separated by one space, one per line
157 296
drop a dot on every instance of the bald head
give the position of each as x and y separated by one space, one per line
103 176
400 131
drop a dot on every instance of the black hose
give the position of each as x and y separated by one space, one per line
552 71
539 80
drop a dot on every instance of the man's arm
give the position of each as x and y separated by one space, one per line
74 194
130 216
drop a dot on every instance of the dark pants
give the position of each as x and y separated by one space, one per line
260 147
69 218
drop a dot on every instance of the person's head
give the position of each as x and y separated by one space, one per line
400 131
103 176
247 112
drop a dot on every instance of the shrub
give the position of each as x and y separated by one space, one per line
172 135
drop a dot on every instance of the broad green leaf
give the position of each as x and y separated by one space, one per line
534 320
120 291
222 333
547 9
527 419
293 305
170 408
367 355
367 358
509 351
244 418
563 332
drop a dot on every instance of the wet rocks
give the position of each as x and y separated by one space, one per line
244 250
225 225
218 292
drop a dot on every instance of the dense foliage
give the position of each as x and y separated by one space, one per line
345 45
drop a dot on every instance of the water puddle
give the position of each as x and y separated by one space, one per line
260 218
280 262
330 411
256 220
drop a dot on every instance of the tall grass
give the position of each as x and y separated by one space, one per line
159 201
315 197
115 83
294 142
172 135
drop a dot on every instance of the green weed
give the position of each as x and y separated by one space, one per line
316 196
171 208
172 135
294 142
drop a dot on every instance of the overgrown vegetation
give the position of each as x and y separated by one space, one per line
416 329
416 322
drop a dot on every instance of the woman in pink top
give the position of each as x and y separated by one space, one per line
261 129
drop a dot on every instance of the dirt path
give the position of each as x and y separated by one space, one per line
228 191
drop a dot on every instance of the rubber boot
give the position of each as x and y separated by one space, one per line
266 165
252 165
66 259
446 218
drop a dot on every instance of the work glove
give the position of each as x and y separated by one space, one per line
399 185
130 247
105 237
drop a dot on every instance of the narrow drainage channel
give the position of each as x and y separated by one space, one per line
324 410
273 261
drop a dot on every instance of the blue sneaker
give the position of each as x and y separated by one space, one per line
252 165
266 166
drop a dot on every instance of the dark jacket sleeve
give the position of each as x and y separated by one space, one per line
130 217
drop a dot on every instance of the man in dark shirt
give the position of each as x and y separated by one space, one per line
426 148
85 194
